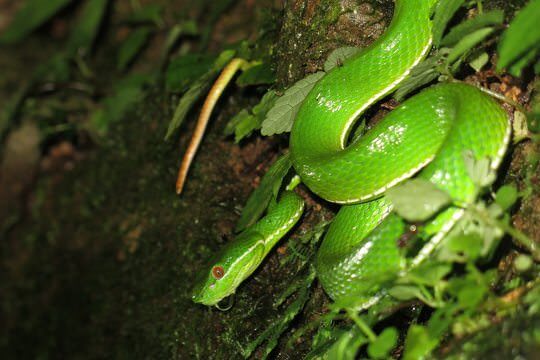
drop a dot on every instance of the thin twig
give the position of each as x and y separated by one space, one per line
211 99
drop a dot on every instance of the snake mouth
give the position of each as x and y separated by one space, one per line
197 294
199 290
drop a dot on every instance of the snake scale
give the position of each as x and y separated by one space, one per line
425 136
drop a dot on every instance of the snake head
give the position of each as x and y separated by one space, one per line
227 269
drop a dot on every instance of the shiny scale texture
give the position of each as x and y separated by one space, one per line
360 253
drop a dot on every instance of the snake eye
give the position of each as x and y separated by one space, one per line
218 272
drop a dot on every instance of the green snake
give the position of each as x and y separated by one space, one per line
427 135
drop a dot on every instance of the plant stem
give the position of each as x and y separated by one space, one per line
362 325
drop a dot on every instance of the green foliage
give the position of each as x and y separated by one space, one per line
429 273
459 45
32 15
261 196
467 43
533 117
422 74
523 263
257 74
478 62
185 28
346 346
11 109
417 199
281 116
444 12
385 342
303 248
506 196
469 26
196 90
274 331
415 283
532 299
419 343
465 246
479 170
246 121
56 69
148 14
83 35
130 47
184 70
126 93
521 40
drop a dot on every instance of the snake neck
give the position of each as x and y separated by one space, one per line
323 123
341 96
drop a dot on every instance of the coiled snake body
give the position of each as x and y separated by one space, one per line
427 134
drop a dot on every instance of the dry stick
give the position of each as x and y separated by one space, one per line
211 100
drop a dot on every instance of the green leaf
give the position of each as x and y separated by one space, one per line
127 93
338 56
346 346
130 47
418 343
188 27
444 12
405 292
533 117
150 13
256 75
266 103
467 43
521 37
10 109
32 14
468 290
260 197
417 199
479 61
235 122
84 33
385 342
281 117
523 263
506 196
471 296
245 127
196 90
467 245
55 69
184 70
245 122
532 299
517 67
429 273
480 21
440 321
422 74
479 170
276 329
